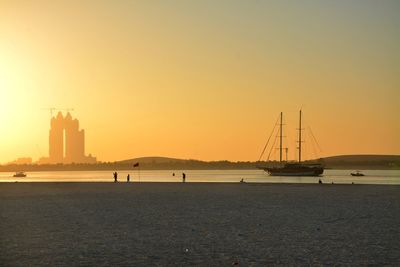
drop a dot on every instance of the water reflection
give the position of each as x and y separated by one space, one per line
249 176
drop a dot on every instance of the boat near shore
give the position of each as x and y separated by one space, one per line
296 169
357 173
19 174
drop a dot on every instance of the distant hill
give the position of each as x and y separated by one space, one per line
334 162
363 162
150 160
338 162
359 158
164 163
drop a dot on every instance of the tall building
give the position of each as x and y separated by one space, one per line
66 142
56 139
74 141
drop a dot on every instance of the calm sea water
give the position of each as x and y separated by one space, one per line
251 176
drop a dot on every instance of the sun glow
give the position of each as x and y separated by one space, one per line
7 97
19 106
148 79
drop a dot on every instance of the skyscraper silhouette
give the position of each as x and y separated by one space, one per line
74 140
66 141
56 139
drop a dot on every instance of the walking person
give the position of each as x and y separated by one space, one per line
183 177
128 178
115 177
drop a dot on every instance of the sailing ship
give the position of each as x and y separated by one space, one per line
294 168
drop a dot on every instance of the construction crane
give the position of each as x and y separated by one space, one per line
57 109
67 109
51 111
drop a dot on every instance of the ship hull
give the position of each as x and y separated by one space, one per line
295 171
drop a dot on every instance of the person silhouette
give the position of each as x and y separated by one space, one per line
183 177
128 178
115 177
319 181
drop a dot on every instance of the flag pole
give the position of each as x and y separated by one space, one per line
137 165
139 172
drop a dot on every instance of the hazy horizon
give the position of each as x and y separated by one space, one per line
200 79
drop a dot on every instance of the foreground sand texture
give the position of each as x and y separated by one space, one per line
202 224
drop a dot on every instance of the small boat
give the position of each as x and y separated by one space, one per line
19 174
357 173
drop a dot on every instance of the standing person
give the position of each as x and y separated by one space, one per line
115 177
128 178
183 177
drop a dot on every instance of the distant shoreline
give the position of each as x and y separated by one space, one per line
39 168
346 162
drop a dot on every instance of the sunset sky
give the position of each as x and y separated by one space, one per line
200 79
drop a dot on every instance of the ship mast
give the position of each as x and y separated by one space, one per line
280 139
300 138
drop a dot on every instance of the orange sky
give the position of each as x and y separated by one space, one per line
200 79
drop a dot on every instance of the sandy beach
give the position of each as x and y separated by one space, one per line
198 224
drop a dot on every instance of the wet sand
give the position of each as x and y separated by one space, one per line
198 224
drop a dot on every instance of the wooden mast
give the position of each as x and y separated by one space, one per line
280 139
300 137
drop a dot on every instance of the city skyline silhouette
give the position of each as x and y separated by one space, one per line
66 142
